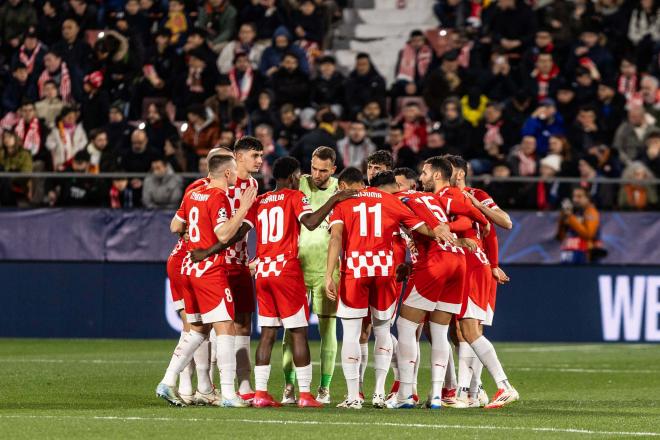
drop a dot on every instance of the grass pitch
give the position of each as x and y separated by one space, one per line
86 389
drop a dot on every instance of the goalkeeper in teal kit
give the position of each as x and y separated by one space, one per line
313 252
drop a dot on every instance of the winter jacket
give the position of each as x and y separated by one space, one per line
291 87
162 192
14 20
63 146
221 23
273 55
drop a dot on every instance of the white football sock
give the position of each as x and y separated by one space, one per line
261 375
243 366
213 340
465 357
185 380
394 365
350 356
486 354
202 365
364 361
227 365
450 374
416 369
440 350
382 353
407 356
304 376
477 367
182 356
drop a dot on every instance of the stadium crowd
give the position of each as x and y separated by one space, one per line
536 88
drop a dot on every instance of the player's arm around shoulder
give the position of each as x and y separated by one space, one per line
312 220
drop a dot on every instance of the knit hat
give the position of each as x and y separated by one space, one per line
552 161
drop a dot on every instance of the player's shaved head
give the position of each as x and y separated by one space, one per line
386 181
350 176
218 165
219 151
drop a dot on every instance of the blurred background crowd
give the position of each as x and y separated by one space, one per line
532 88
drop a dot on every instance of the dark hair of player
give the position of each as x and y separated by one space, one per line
457 162
440 164
247 143
325 153
381 157
351 175
383 178
284 167
406 172
217 163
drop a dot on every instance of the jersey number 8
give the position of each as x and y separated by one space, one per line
193 229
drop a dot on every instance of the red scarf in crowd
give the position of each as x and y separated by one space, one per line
411 59
543 82
526 164
31 136
241 91
28 60
65 83
627 86
493 135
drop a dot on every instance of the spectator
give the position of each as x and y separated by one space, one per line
138 159
272 58
644 30
218 17
559 145
73 49
50 106
265 112
176 21
585 132
30 53
321 135
610 107
589 50
567 101
499 82
579 229
122 195
414 127
15 17
102 157
196 42
118 130
222 103
32 134
272 151
364 84
628 79
356 146
196 83
377 124
413 64
511 25
637 195
328 86
629 137
14 158
442 82
84 14
544 194
290 84
66 139
57 71
162 188
95 103
544 122
50 22
586 86
159 128
266 16
506 193
651 155
545 76
649 94
160 69
246 82
203 131
436 145
523 158
457 131
289 130
246 43
588 167
76 191
473 106
308 23
19 88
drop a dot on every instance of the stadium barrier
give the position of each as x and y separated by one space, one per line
131 300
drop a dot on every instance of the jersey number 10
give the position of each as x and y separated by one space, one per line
272 224
377 221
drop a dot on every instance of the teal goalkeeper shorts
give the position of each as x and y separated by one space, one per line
321 305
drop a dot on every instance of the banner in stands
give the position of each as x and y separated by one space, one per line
140 235
131 300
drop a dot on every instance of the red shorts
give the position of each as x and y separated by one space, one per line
477 287
176 282
438 285
358 296
206 291
282 299
490 311
242 286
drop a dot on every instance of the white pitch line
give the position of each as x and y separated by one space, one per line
360 424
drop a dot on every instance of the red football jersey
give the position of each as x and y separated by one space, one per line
276 218
427 207
370 221
181 248
204 210
238 252
490 241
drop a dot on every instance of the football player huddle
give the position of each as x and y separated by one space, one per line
339 247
